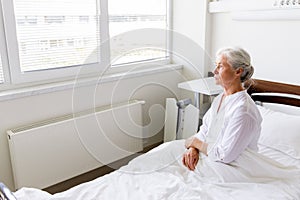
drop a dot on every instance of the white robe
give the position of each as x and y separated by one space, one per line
232 129
232 134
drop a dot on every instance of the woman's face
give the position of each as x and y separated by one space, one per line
224 74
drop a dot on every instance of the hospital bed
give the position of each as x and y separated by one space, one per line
159 173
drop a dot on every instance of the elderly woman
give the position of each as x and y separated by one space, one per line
233 122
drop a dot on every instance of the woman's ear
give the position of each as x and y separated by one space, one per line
239 71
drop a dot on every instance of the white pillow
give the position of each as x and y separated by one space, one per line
291 110
280 131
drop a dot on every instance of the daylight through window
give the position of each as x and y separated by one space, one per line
53 39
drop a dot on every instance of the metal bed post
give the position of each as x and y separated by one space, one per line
5 193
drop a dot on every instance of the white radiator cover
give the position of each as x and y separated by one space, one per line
52 151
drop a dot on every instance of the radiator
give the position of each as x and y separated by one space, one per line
49 152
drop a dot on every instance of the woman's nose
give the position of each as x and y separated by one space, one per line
216 70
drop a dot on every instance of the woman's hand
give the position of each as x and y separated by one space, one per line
197 144
190 158
193 142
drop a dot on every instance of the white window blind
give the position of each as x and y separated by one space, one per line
129 15
62 39
56 33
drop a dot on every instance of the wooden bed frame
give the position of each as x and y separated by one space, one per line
254 86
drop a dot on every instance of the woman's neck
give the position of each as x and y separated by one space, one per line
233 89
227 92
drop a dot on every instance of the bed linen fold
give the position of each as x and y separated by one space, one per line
160 174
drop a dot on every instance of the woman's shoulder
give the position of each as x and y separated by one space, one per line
243 104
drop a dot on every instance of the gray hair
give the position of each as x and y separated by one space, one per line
238 58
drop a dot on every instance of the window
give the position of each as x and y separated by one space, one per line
27 20
125 18
2 49
54 19
52 39
84 19
1 72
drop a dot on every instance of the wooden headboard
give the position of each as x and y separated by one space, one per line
262 86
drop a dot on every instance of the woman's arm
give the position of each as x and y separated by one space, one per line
194 142
237 135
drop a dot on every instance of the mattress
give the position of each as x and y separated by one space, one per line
159 174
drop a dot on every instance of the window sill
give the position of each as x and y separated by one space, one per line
66 85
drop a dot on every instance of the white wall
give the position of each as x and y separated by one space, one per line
191 20
153 88
273 45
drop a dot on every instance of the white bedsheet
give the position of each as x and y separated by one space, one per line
159 174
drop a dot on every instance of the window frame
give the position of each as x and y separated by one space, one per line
3 51
11 60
